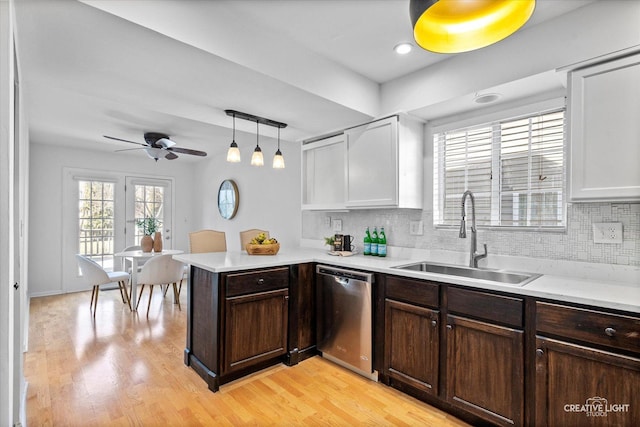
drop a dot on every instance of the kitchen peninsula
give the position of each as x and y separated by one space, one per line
248 312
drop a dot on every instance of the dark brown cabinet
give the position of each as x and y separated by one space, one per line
237 322
589 373
412 337
255 328
485 355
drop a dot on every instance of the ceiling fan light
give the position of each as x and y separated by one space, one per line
257 159
450 26
154 153
165 142
233 153
278 160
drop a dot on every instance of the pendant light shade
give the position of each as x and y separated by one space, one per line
278 160
257 159
453 26
233 153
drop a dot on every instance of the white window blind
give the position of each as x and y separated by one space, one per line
515 169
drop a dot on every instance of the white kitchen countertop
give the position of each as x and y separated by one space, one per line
599 289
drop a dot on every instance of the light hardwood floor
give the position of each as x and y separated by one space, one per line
125 369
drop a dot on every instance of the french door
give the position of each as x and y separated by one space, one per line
99 218
148 198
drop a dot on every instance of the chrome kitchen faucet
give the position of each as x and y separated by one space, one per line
474 256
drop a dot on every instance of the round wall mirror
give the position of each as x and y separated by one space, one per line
228 199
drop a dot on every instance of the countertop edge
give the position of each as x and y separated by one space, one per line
557 288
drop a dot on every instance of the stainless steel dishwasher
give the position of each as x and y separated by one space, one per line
345 318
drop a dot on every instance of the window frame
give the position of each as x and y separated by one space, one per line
496 117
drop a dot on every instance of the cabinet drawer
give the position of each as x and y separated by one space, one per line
257 281
592 326
418 292
495 308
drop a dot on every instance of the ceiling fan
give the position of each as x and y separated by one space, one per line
158 145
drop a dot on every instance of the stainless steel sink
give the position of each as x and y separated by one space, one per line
500 276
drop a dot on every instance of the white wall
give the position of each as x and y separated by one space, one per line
45 201
269 198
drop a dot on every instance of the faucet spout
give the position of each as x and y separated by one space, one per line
474 256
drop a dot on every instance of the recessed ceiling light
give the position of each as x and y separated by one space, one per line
403 48
486 98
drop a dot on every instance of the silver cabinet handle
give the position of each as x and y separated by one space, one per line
449 327
434 323
539 352
610 332
260 281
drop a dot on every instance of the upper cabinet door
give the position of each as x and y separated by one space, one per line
604 131
323 174
385 164
372 159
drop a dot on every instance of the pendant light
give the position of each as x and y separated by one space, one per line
257 159
278 160
233 154
453 26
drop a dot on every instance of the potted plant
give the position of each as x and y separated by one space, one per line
150 225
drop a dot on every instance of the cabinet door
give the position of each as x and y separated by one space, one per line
255 328
323 174
412 345
582 386
604 129
372 164
484 370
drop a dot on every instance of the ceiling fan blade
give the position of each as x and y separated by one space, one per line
124 140
129 149
187 151
171 156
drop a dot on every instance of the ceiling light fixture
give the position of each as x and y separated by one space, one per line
278 160
403 48
453 26
257 159
486 98
233 154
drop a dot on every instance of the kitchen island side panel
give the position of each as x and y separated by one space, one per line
203 326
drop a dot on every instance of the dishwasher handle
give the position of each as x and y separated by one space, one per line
345 274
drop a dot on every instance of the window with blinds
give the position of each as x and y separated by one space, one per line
515 169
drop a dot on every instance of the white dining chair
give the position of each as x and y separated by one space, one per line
95 275
160 270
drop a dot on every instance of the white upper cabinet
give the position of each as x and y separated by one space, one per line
384 164
323 174
375 165
604 107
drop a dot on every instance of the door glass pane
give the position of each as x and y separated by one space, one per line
96 221
149 203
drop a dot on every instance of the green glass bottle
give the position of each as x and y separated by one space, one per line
382 243
367 243
374 242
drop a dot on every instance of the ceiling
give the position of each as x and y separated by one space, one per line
122 68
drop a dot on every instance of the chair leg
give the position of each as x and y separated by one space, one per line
176 295
121 294
123 290
96 290
139 296
165 290
150 295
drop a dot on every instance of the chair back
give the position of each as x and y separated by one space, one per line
247 235
207 241
161 270
92 271
127 262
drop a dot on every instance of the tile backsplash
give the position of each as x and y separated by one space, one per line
574 244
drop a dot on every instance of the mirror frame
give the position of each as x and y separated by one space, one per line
228 186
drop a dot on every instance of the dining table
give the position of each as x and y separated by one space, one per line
136 257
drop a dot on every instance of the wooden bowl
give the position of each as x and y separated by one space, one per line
262 249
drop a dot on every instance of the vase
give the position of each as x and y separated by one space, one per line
157 242
146 243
